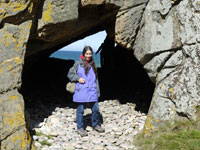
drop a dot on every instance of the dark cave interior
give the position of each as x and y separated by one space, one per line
121 77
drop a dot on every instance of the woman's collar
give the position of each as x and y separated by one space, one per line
82 57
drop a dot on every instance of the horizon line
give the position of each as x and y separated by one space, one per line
73 50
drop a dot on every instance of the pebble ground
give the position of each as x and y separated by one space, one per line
58 130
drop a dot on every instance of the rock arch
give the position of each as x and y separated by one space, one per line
164 36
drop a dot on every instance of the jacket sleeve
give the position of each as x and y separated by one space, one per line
72 74
98 89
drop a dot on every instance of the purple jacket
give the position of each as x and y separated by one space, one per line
89 91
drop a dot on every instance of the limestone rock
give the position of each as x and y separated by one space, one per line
155 64
12 47
12 50
54 12
176 94
10 8
156 34
127 24
13 127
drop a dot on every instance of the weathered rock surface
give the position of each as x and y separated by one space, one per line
13 42
168 46
163 34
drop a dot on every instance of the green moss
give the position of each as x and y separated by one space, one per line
45 143
177 136
40 134
198 111
49 136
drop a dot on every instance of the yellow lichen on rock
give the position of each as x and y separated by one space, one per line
13 41
47 13
30 9
3 12
8 9
9 67
1 70
17 5
14 97
22 138
18 60
23 36
15 119
7 38
148 125
171 90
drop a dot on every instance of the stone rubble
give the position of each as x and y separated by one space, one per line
58 132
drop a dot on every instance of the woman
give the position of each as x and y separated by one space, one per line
84 73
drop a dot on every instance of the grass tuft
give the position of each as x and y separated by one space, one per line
42 134
45 143
177 136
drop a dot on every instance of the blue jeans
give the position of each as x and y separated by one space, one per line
80 111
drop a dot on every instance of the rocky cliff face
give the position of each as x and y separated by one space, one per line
167 45
164 36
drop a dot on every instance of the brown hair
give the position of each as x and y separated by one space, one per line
86 67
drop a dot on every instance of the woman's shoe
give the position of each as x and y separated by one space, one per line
99 129
82 132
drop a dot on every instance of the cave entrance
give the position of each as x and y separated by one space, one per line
121 78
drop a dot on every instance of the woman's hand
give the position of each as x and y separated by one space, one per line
81 80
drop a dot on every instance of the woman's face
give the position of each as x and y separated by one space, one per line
88 55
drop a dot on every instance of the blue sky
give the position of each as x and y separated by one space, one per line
94 41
